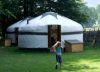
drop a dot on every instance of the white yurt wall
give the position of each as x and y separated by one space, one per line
33 37
40 40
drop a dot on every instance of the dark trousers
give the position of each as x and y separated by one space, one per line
58 59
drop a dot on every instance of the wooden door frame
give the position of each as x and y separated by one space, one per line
49 34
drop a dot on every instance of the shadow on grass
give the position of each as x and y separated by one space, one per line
23 50
33 50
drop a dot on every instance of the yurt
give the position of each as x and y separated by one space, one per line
11 30
44 30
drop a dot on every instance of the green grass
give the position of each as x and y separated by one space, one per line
14 60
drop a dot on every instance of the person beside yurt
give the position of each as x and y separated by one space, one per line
58 50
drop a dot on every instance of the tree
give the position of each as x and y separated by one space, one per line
92 15
98 13
8 13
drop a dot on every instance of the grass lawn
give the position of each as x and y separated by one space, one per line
14 60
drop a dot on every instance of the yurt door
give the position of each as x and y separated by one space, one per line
54 34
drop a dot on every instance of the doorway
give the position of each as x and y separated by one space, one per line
54 34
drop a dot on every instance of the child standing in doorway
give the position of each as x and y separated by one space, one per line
58 50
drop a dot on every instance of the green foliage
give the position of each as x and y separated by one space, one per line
92 15
23 8
11 9
98 13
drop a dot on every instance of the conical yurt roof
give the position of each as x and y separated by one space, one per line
52 18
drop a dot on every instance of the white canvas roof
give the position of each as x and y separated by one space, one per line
51 18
